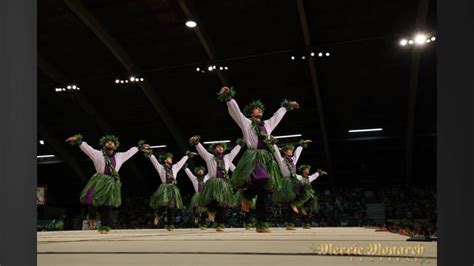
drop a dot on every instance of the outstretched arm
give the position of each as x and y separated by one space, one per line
313 177
89 151
192 177
124 156
203 152
299 149
177 166
277 153
158 168
273 122
226 94
86 148
234 152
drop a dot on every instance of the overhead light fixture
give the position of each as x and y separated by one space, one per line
141 79
365 130
197 69
433 39
320 54
292 58
410 42
221 68
288 136
117 81
312 54
403 42
158 146
216 141
327 54
132 78
226 68
41 142
191 24
45 156
420 39
303 57
210 68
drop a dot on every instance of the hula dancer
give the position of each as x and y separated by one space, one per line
306 199
167 197
257 172
198 178
217 194
287 194
103 190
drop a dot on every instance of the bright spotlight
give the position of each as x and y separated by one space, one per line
420 39
191 24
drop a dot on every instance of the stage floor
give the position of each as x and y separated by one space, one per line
235 246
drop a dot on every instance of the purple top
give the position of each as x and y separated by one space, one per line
112 159
261 144
260 172
169 174
292 164
219 173
200 183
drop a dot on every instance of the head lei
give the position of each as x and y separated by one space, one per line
107 138
304 166
212 148
199 168
249 108
287 147
163 157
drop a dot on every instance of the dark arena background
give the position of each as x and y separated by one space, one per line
135 69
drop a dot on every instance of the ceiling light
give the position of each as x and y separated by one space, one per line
191 24
365 130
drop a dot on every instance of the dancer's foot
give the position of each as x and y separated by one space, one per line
290 227
157 220
294 208
245 205
306 226
212 216
219 229
92 224
170 227
263 230
303 211
103 229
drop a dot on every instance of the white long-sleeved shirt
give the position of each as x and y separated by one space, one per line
281 161
211 162
245 123
311 178
98 158
174 169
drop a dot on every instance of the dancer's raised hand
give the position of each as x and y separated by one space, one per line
295 105
224 90
73 138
